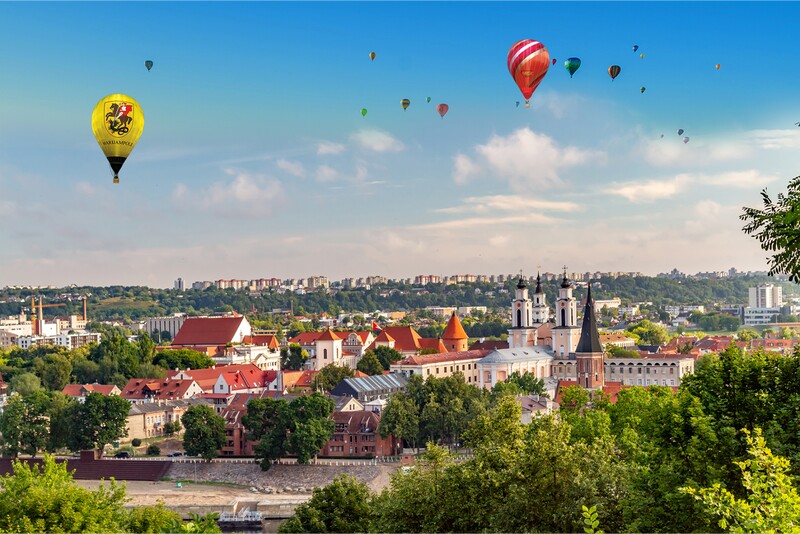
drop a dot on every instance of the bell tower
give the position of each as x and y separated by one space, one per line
523 330
566 331
590 372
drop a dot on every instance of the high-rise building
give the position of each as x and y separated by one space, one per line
766 296
179 285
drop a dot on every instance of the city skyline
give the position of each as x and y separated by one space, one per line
255 159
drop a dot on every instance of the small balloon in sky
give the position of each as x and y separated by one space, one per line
635 48
572 65
428 100
642 89
680 131
528 61
718 66
442 109
614 71
363 112
685 140
148 64
553 61
662 136
518 106
641 56
372 56
405 103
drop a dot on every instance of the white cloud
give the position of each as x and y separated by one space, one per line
650 190
526 159
85 189
508 203
245 195
377 141
775 139
327 148
698 151
463 168
475 222
292 167
326 173
739 179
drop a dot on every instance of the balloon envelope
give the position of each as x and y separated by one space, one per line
642 89
641 56
614 71
148 64
635 48
117 123
680 131
528 61
572 64
685 140
517 103
718 66
662 136
363 112
553 61
372 56
405 103
428 100
442 109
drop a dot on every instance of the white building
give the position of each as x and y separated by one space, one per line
766 296
70 341
165 324
756 316
501 363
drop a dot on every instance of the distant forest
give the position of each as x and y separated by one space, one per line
132 303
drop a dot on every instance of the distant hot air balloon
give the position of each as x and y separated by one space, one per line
372 56
635 48
442 109
641 56
405 103
614 71
680 131
148 64
718 66
518 106
642 89
117 123
528 61
428 100
662 136
572 64
553 61
685 140
363 112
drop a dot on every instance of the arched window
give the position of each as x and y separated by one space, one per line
563 317
324 354
519 317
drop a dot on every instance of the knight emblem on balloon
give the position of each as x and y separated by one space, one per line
119 118
117 124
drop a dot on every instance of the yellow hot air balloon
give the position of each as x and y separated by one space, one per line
117 123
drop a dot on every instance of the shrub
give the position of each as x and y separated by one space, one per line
136 442
153 450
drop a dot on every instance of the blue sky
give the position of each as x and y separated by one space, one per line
255 160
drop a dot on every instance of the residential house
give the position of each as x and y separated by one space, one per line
80 391
149 419
356 435
211 334
146 390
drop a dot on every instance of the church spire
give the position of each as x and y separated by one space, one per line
590 338
538 284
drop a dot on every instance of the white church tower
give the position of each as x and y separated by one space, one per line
523 330
541 312
566 332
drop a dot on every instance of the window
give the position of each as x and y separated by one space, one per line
672 370
325 354
647 371
437 370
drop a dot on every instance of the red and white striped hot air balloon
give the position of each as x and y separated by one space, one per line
528 61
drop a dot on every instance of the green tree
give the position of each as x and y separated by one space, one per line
146 348
98 421
329 376
25 384
772 503
613 351
182 359
56 370
205 432
574 399
24 424
370 364
293 357
44 498
528 383
387 355
649 333
400 418
60 415
344 505
776 229
153 450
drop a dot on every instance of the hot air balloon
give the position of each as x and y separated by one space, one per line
614 71
372 56
553 61
662 136
148 64
642 89
635 48
680 131
117 123
718 66
405 103
518 106
685 140
572 64
442 109
641 56
428 100
528 61
363 112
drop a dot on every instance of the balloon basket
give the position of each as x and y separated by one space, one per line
116 179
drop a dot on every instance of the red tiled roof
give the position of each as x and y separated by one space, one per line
454 329
77 390
328 335
208 331
357 422
262 340
305 338
431 343
405 337
241 376
298 378
140 388
384 337
425 359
